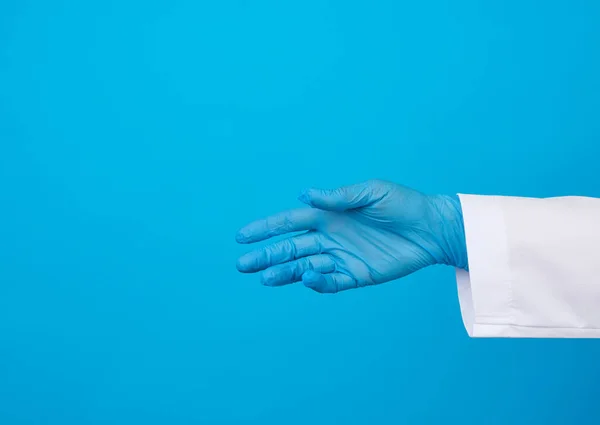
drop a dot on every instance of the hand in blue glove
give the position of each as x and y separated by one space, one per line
354 236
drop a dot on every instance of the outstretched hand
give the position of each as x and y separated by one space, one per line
365 234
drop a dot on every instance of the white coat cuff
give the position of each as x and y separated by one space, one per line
485 291
507 294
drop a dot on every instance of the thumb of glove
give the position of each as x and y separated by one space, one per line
341 199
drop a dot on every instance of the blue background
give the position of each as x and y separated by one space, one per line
137 137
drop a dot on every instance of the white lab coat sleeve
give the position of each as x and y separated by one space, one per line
534 267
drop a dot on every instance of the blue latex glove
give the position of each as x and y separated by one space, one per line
358 235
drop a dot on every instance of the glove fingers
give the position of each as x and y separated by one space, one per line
343 198
284 274
328 283
279 224
280 252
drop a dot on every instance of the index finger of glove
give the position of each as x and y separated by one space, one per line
296 220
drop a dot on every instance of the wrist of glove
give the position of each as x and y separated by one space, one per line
449 232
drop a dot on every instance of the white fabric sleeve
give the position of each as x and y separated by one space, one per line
534 267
